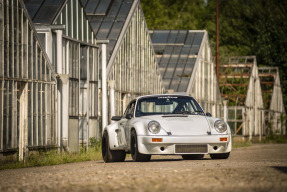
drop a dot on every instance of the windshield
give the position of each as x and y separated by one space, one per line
167 105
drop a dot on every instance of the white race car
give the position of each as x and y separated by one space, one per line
165 125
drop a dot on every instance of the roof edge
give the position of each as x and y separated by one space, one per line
197 62
120 39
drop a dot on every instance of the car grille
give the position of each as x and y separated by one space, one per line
190 148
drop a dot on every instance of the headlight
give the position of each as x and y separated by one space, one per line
220 126
154 127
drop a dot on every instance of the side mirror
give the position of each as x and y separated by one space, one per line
116 118
129 116
208 114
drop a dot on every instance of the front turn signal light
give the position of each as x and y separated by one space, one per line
156 139
223 139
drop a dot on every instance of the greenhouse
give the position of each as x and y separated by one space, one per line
70 43
240 88
28 85
132 68
274 112
186 65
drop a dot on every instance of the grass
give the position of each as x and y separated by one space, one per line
241 144
275 139
270 139
53 157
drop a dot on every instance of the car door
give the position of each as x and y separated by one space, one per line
124 124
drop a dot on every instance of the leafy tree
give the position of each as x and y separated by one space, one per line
247 27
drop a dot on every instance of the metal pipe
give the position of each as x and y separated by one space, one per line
112 97
59 71
104 86
225 110
217 41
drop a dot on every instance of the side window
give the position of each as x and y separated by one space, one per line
130 109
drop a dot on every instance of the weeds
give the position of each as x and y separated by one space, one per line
53 157
275 139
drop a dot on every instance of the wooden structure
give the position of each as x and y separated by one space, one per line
28 85
186 65
240 88
275 115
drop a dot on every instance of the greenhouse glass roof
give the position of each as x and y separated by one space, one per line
44 11
107 18
176 51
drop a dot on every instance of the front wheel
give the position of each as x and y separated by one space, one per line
220 156
193 156
111 155
136 155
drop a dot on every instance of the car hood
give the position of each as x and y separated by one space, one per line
182 124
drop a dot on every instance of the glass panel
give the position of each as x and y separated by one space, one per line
183 55
46 14
194 50
231 114
170 70
198 38
84 62
114 9
239 114
160 36
104 30
42 39
35 112
91 6
175 83
32 6
172 36
166 55
116 29
190 38
188 69
183 84
181 37
103 7
179 69
40 129
175 54
166 83
124 10
30 112
232 127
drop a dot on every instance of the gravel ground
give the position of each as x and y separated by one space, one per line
255 168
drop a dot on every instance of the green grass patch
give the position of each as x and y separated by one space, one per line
53 157
241 144
275 139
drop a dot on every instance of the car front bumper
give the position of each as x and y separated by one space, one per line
169 145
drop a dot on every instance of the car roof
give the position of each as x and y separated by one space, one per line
167 94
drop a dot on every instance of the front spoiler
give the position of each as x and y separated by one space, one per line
167 146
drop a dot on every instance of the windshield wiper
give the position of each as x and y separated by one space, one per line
197 112
182 112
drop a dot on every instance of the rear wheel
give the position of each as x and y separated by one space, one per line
111 155
136 155
220 156
193 156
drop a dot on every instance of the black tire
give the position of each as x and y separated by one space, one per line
111 155
220 156
136 155
193 156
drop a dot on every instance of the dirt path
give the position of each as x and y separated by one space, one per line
256 168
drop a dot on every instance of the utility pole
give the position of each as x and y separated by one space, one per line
217 42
